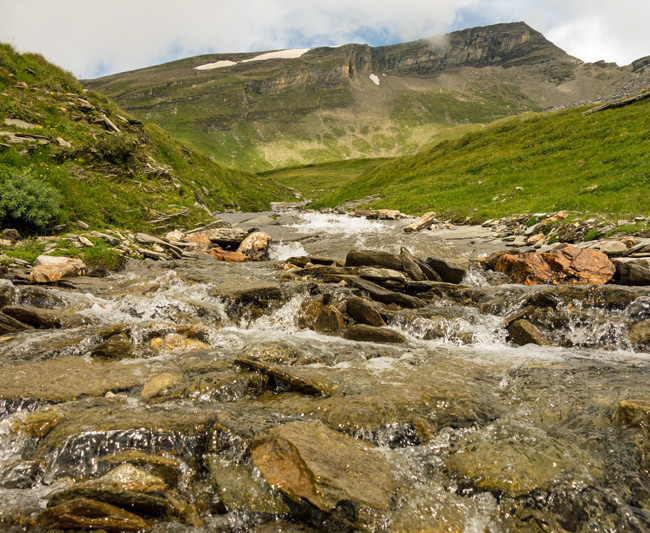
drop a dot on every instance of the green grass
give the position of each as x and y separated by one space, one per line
598 163
105 177
316 181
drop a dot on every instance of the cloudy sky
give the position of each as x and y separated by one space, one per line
93 38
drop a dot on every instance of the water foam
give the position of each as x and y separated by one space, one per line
333 224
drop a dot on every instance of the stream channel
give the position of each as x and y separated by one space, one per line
197 395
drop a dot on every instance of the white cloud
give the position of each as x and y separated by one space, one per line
94 38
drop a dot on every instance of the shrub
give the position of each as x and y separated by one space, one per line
26 202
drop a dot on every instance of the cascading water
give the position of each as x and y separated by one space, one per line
215 368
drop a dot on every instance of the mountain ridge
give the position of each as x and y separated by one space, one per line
358 101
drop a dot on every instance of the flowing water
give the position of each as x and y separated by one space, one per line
475 434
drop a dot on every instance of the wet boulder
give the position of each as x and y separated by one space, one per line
65 378
116 347
9 324
364 313
640 332
41 318
365 333
635 413
338 475
513 459
303 379
320 317
88 515
522 332
238 490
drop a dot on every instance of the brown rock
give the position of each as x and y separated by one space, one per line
640 332
365 213
228 257
565 265
364 333
11 325
307 460
51 269
389 214
228 237
577 266
203 243
410 265
87 514
373 258
305 380
320 317
635 413
386 296
255 245
632 271
522 332
40 318
116 347
364 313
425 221
448 270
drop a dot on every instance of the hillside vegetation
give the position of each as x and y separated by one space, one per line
62 144
356 101
599 163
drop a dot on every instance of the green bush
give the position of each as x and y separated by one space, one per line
26 202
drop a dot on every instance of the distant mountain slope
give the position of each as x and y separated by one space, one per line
356 101
108 167
598 163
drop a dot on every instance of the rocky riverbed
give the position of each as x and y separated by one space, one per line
360 378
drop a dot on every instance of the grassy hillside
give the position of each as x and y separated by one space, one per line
107 167
598 163
356 101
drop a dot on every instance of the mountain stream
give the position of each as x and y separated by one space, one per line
195 395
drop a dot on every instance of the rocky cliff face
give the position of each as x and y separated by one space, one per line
359 101
498 45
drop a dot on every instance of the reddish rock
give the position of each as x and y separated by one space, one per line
565 265
529 269
255 245
577 266
228 257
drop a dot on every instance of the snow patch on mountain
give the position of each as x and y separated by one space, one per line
280 54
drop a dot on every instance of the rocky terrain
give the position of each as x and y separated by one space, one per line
377 375
356 101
